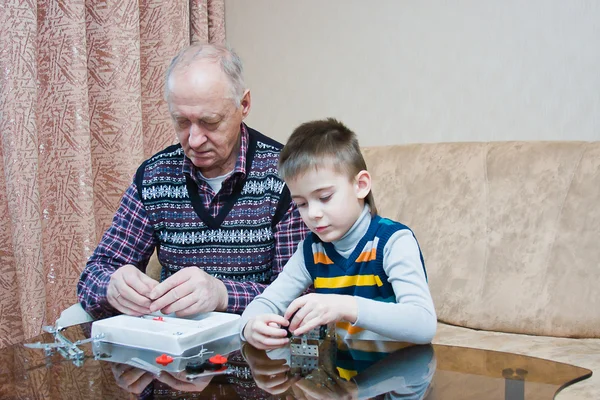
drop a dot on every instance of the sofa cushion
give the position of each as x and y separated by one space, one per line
510 231
579 352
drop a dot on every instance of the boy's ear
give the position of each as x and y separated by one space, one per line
363 184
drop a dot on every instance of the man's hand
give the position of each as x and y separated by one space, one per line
129 290
272 376
179 381
132 379
316 309
189 291
264 331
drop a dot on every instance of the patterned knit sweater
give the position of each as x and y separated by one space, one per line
237 243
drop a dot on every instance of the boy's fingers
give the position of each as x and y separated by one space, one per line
267 330
294 307
269 319
298 318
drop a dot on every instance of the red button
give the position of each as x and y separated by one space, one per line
158 319
218 359
164 360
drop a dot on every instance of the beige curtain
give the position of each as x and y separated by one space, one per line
81 106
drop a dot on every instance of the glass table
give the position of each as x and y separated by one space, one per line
306 369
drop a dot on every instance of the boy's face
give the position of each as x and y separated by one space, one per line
328 201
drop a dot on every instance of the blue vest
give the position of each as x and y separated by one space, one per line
362 274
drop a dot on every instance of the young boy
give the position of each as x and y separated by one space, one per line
367 271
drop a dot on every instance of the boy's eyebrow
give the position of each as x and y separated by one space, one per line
315 191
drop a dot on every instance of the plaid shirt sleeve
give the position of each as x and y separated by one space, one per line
129 240
288 233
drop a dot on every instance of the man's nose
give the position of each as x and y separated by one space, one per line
197 135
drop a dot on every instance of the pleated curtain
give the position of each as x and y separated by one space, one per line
81 107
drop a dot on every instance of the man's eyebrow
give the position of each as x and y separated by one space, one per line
207 116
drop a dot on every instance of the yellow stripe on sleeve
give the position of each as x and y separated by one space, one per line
346 281
346 373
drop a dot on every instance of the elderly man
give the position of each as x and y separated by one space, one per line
213 206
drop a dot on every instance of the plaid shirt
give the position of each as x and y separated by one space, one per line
131 240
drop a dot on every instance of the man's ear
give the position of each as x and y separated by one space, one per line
246 103
363 184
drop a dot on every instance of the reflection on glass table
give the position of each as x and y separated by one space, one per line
351 370
344 370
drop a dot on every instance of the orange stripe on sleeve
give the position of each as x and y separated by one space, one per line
347 326
321 258
367 255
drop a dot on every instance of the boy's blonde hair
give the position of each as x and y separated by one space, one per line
320 142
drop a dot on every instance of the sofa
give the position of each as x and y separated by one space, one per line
510 233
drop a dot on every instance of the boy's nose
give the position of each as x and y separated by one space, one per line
314 211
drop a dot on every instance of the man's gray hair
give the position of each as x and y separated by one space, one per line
229 61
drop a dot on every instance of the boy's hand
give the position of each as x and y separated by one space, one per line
316 309
324 385
264 331
272 376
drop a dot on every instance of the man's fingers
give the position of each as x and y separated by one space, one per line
183 307
196 385
173 297
140 282
128 288
171 290
176 384
128 311
131 307
131 379
131 295
171 282
136 379
141 384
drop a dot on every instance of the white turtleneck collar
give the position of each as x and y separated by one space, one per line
346 244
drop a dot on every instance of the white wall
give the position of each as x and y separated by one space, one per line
399 71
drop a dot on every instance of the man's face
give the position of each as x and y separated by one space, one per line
329 202
206 119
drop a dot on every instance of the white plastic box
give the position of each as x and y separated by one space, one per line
166 334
